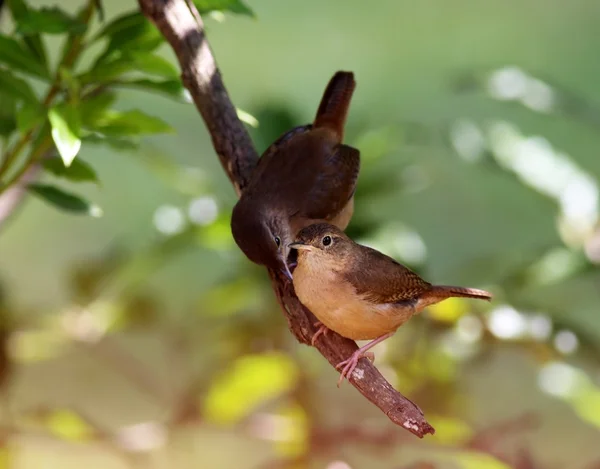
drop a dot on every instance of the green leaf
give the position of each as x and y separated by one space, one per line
13 54
8 107
146 62
79 171
450 431
134 122
16 87
234 6
124 22
93 108
65 200
129 32
250 382
49 20
34 43
153 65
116 143
69 426
475 460
172 88
36 345
65 131
29 116
247 118
71 83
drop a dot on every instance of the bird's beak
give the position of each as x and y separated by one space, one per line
301 246
286 271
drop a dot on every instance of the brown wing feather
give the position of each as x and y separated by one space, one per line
380 279
275 148
312 177
334 185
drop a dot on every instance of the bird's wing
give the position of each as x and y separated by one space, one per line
276 147
334 184
310 176
380 279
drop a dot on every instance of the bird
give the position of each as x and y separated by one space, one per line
308 175
359 292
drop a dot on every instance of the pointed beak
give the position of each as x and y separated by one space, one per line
301 246
285 268
286 271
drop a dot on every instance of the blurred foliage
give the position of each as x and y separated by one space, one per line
117 368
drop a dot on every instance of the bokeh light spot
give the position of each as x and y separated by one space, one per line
203 210
505 322
566 342
169 220
558 379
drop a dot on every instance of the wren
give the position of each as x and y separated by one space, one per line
359 292
308 175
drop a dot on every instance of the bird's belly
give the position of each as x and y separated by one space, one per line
337 306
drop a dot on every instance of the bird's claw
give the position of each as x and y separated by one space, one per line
323 329
350 363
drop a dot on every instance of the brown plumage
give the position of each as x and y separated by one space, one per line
359 292
307 175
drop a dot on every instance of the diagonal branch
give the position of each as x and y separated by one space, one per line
182 26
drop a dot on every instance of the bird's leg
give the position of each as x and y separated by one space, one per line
323 329
350 363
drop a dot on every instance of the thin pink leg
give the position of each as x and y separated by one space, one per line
323 329
351 362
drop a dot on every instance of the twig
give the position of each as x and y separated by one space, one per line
14 196
180 23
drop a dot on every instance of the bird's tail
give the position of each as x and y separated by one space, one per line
439 293
444 291
335 103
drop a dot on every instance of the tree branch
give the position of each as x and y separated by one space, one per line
182 26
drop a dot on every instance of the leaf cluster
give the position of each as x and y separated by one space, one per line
50 113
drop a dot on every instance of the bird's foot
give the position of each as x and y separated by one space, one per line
351 363
323 329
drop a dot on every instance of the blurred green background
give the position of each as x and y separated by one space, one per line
144 338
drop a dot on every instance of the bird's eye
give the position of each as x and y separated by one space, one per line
326 240
277 241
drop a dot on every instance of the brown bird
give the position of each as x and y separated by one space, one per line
359 292
307 175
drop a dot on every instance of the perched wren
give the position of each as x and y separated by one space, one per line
359 292
308 175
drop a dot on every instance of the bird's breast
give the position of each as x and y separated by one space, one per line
337 305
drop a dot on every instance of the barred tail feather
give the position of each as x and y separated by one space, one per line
444 291
335 103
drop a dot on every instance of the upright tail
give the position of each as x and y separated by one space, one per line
335 103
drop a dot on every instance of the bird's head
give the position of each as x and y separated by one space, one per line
262 235
321 242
